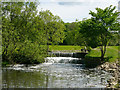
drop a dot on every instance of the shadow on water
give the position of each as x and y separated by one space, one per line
20 79
93 62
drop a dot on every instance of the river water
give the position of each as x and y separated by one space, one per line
56 72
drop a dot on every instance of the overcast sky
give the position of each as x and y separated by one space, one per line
70 10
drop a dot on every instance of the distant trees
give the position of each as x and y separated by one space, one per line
97 29
71 33
73 37
53 28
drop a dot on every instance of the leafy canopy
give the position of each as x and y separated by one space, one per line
97 30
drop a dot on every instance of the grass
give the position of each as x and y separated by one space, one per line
111 53
65 47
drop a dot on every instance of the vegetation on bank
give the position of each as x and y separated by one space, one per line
111 53
26 32
28 35
93 59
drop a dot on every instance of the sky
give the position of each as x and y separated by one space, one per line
70 10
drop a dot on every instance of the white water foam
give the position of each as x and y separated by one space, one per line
60 59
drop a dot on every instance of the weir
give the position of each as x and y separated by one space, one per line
63 60
67 54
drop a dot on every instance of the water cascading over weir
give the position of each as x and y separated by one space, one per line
66 54
66 57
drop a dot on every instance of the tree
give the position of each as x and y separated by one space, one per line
22 33
72 34
97 30
114 41
53 28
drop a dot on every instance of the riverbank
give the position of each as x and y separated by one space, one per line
113 68
92 60
110 56
110 67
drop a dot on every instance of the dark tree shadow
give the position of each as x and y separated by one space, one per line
93 62
107 59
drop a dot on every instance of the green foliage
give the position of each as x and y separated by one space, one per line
20 41
93 58
97 29
114 41
53 27
111 53
26 33
73 37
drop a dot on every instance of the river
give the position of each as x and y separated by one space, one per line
56 72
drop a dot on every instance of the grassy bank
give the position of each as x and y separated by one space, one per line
111 53
65 47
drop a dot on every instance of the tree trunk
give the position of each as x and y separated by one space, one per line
102 56
103 50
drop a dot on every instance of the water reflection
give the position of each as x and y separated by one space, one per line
19 79
54 75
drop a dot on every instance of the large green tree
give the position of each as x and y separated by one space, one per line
97 30
21 34
71 33
26 32
53 28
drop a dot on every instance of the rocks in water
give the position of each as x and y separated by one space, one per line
104 66
113 69
115 74
112 82
113 66
108 66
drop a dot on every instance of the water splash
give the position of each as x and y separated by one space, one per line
62 60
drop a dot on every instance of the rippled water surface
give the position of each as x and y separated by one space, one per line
57 72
